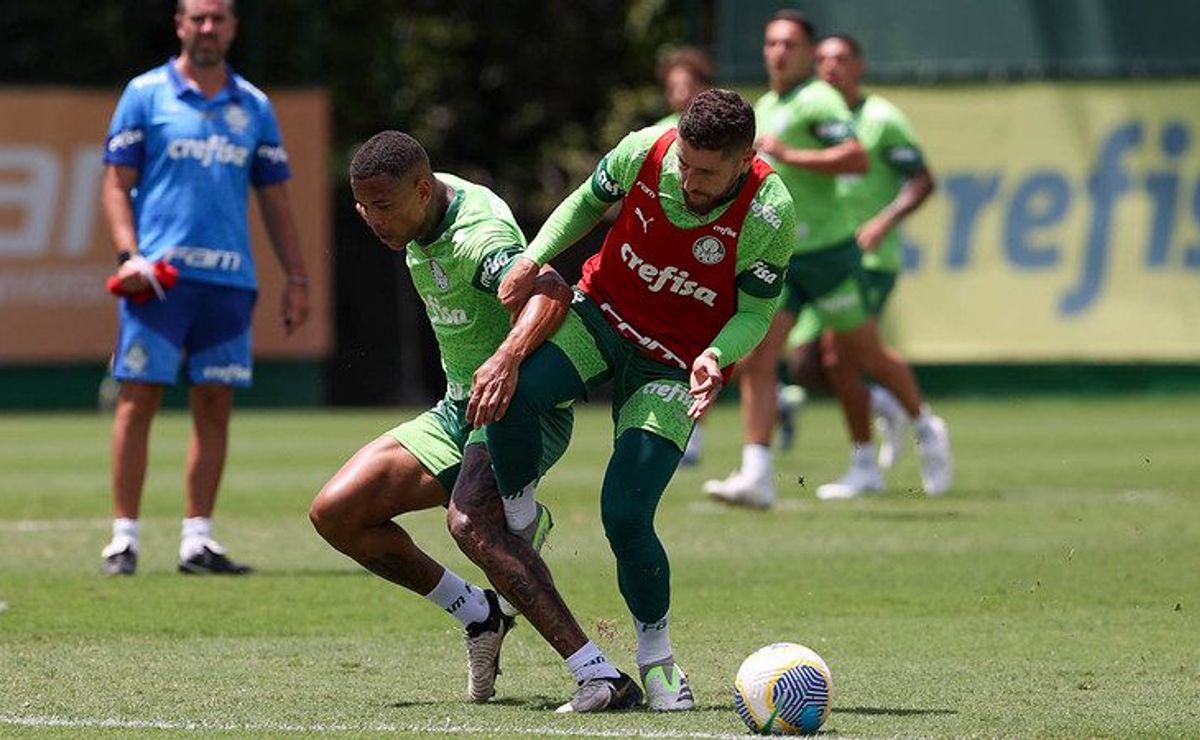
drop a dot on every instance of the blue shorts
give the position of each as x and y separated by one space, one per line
211 323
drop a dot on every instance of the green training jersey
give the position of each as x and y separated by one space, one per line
764 244
457 274
811 115
895 156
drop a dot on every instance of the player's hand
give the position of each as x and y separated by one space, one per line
134 275
870 235
705 384
294 311
492 388
517 285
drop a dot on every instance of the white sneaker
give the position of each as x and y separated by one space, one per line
891 439
861 479
667 688
483 650
739 490
933 446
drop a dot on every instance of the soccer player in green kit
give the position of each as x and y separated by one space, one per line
808 135
895 185
458 240
685 284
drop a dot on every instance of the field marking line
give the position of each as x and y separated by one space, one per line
445 728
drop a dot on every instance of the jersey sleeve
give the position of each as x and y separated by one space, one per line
901 150
829 119
125 145
270 165
762 268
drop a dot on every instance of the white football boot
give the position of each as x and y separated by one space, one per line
861 479
891 424
740 490
933 447
666 686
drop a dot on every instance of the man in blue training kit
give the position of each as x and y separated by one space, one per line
186 141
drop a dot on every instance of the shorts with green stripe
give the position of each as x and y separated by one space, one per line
877 287
437 438
830 280
647 394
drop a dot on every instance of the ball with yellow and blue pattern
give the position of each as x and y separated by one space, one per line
783 689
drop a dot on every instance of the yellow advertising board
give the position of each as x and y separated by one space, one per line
55 250
1066 226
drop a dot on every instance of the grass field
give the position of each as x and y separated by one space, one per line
1054 592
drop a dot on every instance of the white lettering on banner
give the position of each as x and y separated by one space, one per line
55 286
649 343
670 277
207 151
30 179
203 258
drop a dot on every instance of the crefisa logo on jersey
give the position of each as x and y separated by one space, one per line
708 250
440 278
236 119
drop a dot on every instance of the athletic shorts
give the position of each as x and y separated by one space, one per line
877 286
209 324
830 280
437 438
647 394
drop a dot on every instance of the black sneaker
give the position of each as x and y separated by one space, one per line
604 695
211 562
483 650
120 563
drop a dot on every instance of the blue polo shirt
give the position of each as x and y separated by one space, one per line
197 158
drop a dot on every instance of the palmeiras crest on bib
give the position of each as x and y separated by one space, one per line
440 278
236 119
708 250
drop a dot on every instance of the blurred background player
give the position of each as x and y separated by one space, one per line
684 73
807 133
896 184
187 140
458 239
684 285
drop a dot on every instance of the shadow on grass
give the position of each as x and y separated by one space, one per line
891 711
911 516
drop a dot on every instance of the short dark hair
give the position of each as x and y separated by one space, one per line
718 119
795 16
393 153
848 40
181 7
698 64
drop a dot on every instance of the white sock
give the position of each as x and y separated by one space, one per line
653 640
520 509
588 662
466 603
756 462
884 404
197 534
864 455
125 533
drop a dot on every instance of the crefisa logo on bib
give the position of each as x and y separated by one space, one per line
708 250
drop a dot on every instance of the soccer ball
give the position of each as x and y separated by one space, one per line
783 689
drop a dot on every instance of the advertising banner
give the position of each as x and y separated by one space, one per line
55 249
1066 225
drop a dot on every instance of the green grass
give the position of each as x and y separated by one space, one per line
1054 592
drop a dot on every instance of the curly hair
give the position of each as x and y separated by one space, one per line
718 120
698 64
393 153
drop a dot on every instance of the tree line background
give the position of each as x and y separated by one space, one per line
521 96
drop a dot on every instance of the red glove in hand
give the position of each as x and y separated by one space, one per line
161 275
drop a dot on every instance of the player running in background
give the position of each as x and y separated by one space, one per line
684 73
895 185
808 135
458 239
186 142
685 284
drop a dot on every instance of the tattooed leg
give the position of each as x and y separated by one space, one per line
476 519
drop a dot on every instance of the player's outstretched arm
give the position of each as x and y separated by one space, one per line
913 193
493 383
845 158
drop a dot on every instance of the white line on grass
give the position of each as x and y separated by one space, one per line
445 728
50 525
